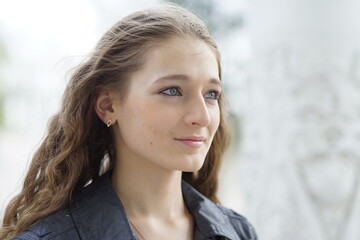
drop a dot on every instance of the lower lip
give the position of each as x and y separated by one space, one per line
191 143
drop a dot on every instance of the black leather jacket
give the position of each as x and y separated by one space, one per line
96 213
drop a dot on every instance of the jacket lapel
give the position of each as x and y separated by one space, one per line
210 220
99 214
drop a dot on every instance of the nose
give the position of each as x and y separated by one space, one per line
197 113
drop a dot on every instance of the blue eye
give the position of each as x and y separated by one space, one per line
212 95
175 91
172 91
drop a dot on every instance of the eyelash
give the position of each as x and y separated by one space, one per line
217 93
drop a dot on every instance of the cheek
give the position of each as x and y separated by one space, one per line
215 120
151 122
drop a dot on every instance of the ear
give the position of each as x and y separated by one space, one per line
104 106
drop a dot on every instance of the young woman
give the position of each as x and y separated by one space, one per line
135 149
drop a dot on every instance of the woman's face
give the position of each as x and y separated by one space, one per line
171 113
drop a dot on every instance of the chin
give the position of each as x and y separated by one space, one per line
192 166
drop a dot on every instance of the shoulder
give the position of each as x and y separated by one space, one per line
240 224
57 226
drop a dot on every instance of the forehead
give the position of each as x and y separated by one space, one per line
179 55
184 45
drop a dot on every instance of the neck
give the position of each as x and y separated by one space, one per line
147 190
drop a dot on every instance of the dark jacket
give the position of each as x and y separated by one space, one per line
96 213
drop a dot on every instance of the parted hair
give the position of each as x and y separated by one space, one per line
77 143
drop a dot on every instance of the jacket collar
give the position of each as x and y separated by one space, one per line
210 220
99 214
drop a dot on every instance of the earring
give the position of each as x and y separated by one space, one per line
109 123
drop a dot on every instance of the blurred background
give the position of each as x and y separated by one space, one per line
292 78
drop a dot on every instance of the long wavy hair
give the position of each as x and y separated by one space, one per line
78 143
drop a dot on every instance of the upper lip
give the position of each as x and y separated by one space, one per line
192 138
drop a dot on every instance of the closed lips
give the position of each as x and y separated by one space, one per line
192 142
195 139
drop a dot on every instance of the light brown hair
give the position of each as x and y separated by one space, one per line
78 142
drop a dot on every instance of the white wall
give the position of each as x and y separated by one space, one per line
301 134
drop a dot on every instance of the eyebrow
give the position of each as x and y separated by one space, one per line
185 78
